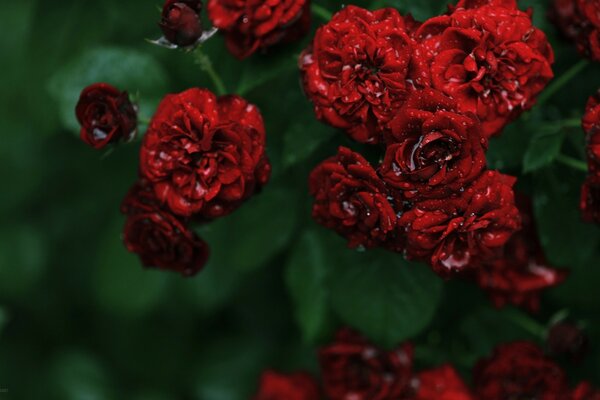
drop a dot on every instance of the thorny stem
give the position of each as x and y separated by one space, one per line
206 65
321 12
562 81
572 162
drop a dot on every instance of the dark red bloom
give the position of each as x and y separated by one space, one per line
352 200
585 391
442 383
433 150
457 232
181 22
519 371
354 369
579 21
159 238
568 339
591 126
204 155
106 115
470 4
250 25
590 198
520 272
490 59
355 71
299 386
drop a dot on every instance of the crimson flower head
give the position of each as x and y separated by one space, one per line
590 198
454 234
159 238
442 383
433 149
585 391
579 21
520 272
519 371
181 22
250 25
106 115
591 126
204 155
354 369
299 386
352 200
355 70
490 59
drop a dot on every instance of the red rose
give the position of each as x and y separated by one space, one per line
470 4
442 383
181 22
434 150
490 59
250 25
568 339
519 371
204 155
591 126
459 231
354 369
585 391
299 386
352 200
355 71
590 198
159 238
520 272
579 20
106 115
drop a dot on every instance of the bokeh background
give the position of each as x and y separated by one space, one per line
81 320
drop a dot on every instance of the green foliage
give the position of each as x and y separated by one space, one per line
543 148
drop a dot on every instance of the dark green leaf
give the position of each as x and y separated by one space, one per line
127 69
3 319
543 148
385 297
257 71
78 376
302 138
307 277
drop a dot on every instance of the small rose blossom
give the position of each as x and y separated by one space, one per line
181 22
591 126
519 370
298 386
454 234
585 391
433 150
351 199
354 369
159 238
252 25
579 21
205 155
106 115
355 70
566 338
442 383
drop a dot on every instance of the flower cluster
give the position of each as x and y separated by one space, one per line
579 21
353 368
431 94
590 192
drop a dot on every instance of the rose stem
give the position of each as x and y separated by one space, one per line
321 12
572 162
563 80
206 65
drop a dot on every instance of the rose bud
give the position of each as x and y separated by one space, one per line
106 115
298 386
181 22
159 238
442 383
566 338
519 370
352 200
203 155
352 368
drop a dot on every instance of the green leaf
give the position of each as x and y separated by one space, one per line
78 376
120 284
307 277
302 138
257 71
385 297
543 148
3 319
254 233
127 69
565 237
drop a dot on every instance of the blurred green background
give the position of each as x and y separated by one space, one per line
81 320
